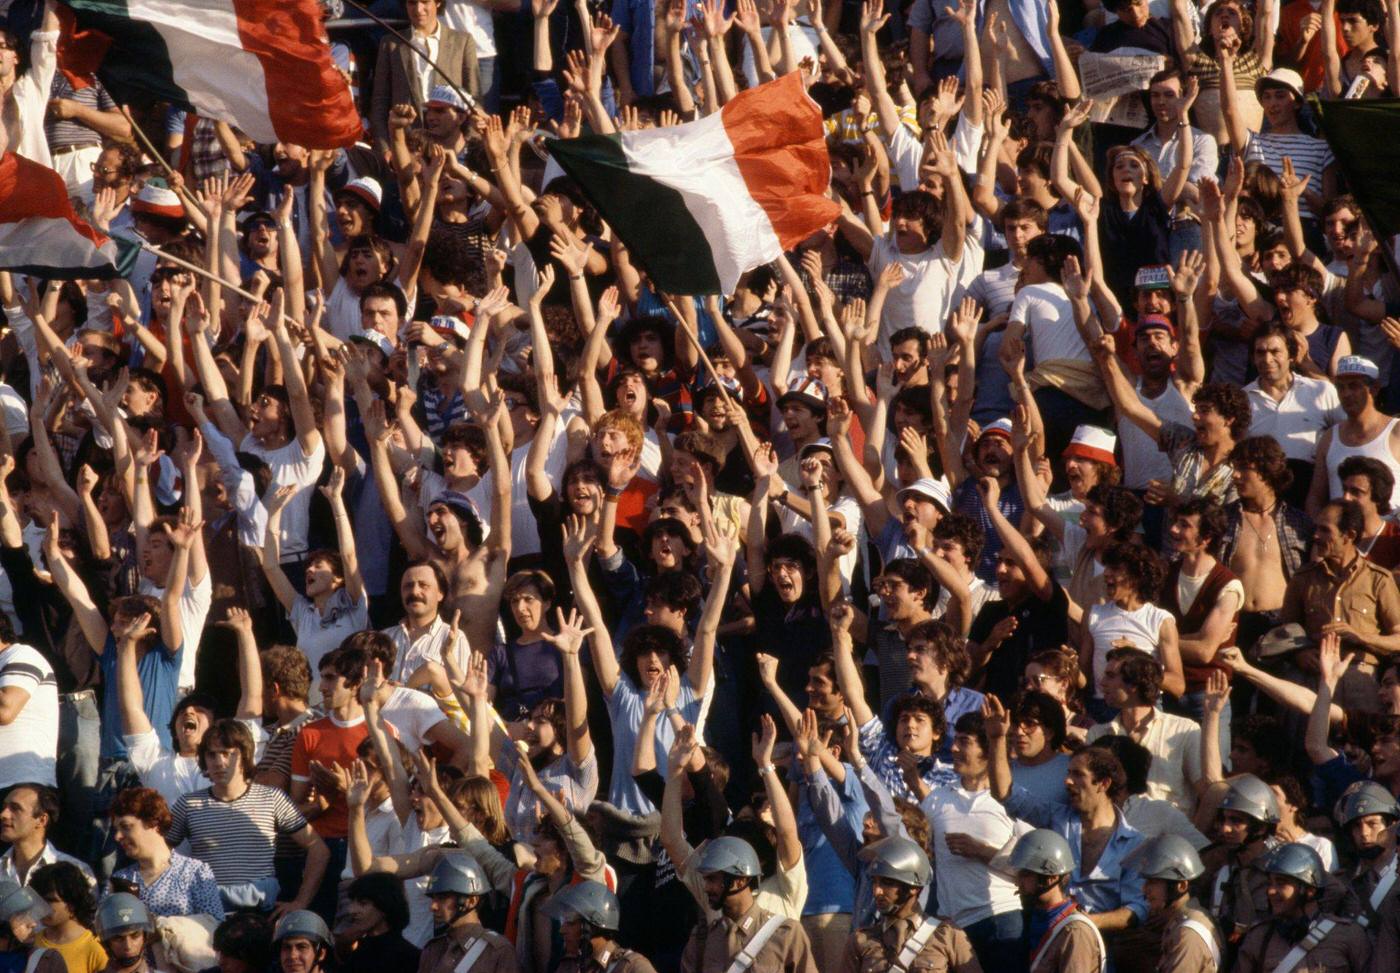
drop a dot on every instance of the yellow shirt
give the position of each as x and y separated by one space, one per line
83 955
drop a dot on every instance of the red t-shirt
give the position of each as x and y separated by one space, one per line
329 742
1290 33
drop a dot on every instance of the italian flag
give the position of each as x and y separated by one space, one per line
41 235
261 65
701 203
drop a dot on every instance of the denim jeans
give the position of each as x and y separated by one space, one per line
79 744
1185 235
115 774
997 942
1193 704
489 94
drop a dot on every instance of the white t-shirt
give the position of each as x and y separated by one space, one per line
968 890
384 832
524 530
420 918
292 466
194 609
1108 623
846 506
474 19
924 298
1142 460
318 634
29 745
172 775
412 714
1049 319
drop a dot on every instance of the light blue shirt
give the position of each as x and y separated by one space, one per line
880 751
625 707
1113 884
830 886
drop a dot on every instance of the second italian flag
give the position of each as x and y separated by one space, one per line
701 203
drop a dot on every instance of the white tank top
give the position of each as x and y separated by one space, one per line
1108 623
1377 448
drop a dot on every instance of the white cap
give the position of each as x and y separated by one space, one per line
1282 78
1093 442
822 445
450 324
376 338
929 489
446 96
1001 427
1356 365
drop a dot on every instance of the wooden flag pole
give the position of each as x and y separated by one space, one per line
177 185
207 275
695 341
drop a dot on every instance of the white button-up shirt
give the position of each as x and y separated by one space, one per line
23 110
428 44
48 856
1175 745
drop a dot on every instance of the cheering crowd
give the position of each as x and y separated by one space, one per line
1002 579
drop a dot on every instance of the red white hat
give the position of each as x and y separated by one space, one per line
1093 442
365 189
450 326
1000 427
155 200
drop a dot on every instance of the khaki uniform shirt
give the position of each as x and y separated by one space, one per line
1077 949
1183 950
614 959
1345 949
875 948
443 953
1363 595
714 945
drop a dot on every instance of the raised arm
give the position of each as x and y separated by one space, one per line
1125 398
569 640
250 680
277 580
90 620
841 615
130 702
1332 666
784 821
722 547
580 535
182 537
333 491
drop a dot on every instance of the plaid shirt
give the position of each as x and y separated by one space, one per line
880 753
1294 532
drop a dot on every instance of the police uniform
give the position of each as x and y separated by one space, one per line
494 953
1344 948
713 946
1077 948
879 945
1238 892
613 959
1185 946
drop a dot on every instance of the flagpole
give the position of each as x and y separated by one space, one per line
209 275
695 341
467 99
177 185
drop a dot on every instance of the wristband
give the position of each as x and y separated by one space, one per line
767 769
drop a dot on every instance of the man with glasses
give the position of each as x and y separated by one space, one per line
77 123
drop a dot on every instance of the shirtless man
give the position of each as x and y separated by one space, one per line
1266 539
1366 431
449 532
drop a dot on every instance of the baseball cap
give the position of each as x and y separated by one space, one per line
375 338
1356 365
810 392
366 189
1153 277
445 96
1001 427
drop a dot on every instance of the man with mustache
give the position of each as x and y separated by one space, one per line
1299 935
770 943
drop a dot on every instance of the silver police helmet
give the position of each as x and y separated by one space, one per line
119 912
590 901
899 860
1042 852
